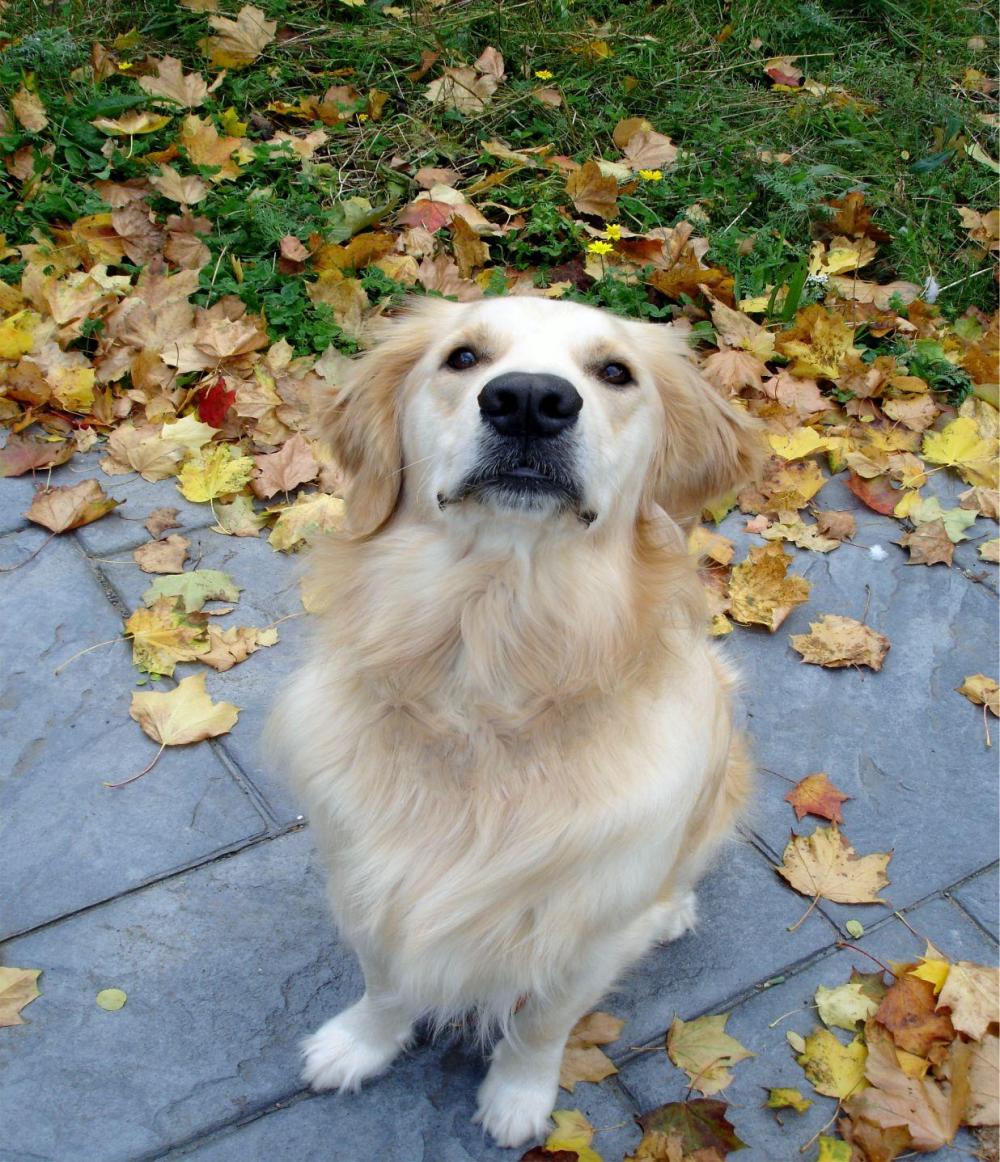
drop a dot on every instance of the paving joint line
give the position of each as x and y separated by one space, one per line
247 786
217 856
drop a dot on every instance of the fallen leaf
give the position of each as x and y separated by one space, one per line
111 1000
184 715
983 500
186 191
801 442
216 472
60 508
592 192
229 647
18 987
162 636
833 1069
982 691
836 641
161 519
960 445
983 1107
27 107
825 865
908 1012
133 124
928 544
841 526
832 1150
648 149
238 519
23 454
877 493
571 1137
188 90
783 71
238 42
143 450
817 344
816 795
193 589
844 1007
784 1098
165 556
699 1125
760 591
931 1110
704 1050
311 515
702 542
875 1143
990 551
282 471
970 992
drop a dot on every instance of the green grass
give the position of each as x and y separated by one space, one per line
692 67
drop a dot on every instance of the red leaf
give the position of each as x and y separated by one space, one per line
214 402
429 214
877 493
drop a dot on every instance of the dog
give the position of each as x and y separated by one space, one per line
513 738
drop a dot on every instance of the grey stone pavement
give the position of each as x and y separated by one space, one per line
196 889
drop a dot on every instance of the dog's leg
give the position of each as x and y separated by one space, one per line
521 1086
360 1042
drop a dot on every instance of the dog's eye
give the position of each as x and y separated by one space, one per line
462 358
615 373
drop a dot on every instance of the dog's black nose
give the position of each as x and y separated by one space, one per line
523 404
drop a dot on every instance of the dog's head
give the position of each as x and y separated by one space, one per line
529 409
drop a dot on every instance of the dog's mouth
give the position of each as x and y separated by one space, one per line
526 477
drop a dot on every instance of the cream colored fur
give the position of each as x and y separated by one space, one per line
512 737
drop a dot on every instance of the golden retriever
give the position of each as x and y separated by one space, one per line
513 738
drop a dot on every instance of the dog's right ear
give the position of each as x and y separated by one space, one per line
359 418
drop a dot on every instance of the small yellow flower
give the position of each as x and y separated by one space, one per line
362 117
544 74
600 248
613 232
124 66
651 175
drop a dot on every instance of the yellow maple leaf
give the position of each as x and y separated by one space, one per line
162 636
311 514
760 592
834 1069
704 1050
960 445
817 344
17 334
825 865
841 255
801 442
238 42
573 1133
216 472
131 124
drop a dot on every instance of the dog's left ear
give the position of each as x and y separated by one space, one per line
359 418
711 446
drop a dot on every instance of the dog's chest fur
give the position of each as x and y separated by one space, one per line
498 771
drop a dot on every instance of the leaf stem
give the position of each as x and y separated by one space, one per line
138 775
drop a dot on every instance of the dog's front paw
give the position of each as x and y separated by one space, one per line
679 917
513 1111
347 1051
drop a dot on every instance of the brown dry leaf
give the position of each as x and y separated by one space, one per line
704 1050
186 89
18 987
931 1110
471 252
874 1143
282 471
648 149
702 542
166 556
22 454
161 519
971 992
816 795
27 107
65 507
164 635
582 1059
732 370
841 526
983 1108
143 450
928 544
817 344
983 228
228 647
238 42
982 500
592 192
760 591
206 147
468 88
836 641
185 190
184 715
908 1012
916 413
982 691
825 865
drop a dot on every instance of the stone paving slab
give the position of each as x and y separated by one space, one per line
270 593
979 896
761 1022
68 841
907 748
